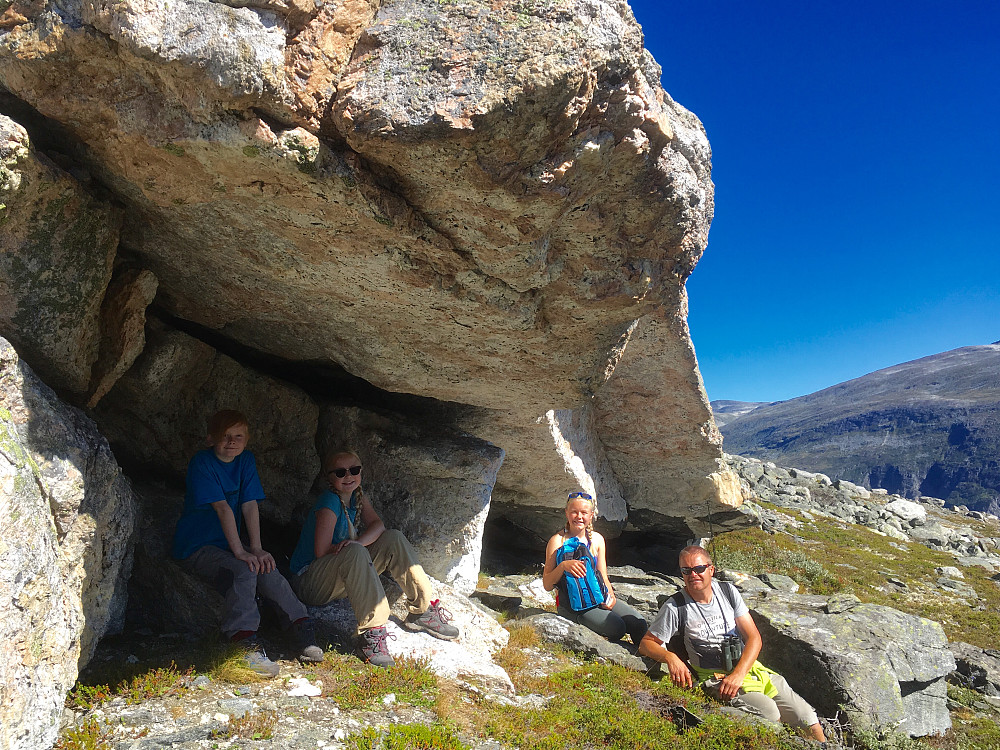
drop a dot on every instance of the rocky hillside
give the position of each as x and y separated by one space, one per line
927 427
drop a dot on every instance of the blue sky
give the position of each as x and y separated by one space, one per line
856 160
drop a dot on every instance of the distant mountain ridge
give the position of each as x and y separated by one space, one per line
926 427
727 411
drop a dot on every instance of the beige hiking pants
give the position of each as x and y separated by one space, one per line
353 572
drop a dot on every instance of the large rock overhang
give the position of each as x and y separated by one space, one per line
490 206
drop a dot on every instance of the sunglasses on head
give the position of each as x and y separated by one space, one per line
699 569
341 473
581 495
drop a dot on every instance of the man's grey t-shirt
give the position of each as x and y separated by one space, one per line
705 625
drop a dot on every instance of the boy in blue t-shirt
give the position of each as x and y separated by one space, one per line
223 490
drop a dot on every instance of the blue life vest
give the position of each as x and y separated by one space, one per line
580 593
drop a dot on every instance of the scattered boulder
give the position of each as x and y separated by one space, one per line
780 582
977 669
555 629
912 513
887 667
949 571
904 520
67 529
958 588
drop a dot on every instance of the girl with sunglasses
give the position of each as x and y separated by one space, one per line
343 548
565 560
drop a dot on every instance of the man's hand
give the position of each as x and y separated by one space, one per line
680 675
730 686
576 568
265 562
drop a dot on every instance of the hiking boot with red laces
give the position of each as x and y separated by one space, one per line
373 647
433 621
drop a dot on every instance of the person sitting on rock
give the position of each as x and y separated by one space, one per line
575 564
343 548
223 491
722 644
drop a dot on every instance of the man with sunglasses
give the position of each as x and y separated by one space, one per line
722 644
343 548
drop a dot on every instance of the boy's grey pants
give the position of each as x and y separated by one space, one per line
239 587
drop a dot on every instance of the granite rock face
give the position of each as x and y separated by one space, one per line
157 416
57 245
489 205
67 526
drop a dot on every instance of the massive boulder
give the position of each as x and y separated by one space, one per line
493 206
887 667
67 521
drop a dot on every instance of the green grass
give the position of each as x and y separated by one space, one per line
835 556
151 684
90 735
355 685
596 706
407 737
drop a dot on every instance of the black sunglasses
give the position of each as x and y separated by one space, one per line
699 569
581 495
341 473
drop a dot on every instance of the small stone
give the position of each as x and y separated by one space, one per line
201 681
949 571
236 706
388 699
780 582
841 603
962 589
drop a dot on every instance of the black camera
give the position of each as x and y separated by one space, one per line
732 650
